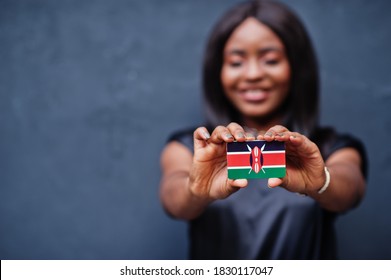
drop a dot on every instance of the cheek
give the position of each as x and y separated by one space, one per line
281 79
284 76
229 77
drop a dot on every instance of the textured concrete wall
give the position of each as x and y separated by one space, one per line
90 90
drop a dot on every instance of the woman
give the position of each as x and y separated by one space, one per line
260 81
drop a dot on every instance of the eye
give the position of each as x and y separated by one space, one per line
271 58
235 64
271 61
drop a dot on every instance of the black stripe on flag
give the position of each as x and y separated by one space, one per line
242 146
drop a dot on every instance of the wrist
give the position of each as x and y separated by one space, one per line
196 193
327 181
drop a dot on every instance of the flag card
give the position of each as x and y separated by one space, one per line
256 159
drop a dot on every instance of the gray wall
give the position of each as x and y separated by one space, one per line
90 90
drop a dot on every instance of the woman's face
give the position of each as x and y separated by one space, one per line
256 73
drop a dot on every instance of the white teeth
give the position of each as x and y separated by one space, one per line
254 95
253 91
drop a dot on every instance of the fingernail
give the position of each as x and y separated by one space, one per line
280 134
268 133
229 135
206 135
240 135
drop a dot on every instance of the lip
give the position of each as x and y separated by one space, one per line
253 95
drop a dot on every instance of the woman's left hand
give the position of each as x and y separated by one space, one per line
304 163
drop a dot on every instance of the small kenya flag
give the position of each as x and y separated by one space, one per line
256 159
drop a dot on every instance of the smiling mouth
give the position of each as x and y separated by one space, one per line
253 95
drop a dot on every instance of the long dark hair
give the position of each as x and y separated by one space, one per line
301 110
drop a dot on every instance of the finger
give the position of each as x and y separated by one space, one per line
251 133
277 132
221 134
250 136
261 135
299 142
301 146
237 131
283 136
200 135
297 139
279 128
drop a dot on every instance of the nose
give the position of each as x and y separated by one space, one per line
254 70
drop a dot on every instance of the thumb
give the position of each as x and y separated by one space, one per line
275 182
240 183
234 185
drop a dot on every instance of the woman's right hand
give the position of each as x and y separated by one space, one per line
208 176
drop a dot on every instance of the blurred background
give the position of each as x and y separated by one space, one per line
90 91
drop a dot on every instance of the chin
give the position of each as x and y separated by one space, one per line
255 115
255 112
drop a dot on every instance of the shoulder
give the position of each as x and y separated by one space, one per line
178 150
183 136
329 141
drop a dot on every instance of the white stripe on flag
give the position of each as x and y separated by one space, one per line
264 166
238 153
273 152
264 152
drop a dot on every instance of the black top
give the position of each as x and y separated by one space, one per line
262 223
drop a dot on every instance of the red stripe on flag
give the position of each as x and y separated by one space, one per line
238 160
274 159
244 159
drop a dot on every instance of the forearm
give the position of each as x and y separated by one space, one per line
177 198
346 188
306 174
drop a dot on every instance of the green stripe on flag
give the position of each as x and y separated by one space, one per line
244 173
